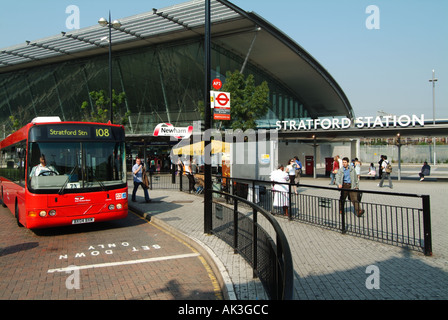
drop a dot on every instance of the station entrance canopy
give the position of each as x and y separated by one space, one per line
306 87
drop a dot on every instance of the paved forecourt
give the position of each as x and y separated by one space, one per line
327 264
127 259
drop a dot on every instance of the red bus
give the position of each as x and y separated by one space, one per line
55 173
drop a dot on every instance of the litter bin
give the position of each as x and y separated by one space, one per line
309 165
328 166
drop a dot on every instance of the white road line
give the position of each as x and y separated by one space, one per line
121 263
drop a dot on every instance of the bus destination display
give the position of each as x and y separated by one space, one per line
79 132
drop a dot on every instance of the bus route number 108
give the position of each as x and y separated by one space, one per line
102 133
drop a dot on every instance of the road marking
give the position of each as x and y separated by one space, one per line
122 263
211 274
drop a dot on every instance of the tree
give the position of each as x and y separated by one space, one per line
15 123
24 117
248 102
101 103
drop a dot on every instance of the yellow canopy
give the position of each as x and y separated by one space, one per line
198 148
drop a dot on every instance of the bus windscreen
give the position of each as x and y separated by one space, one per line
65 167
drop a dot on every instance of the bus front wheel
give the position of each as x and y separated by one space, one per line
17 216
3 202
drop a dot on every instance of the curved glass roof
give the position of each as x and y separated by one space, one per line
232 28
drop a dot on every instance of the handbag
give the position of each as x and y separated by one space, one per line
358 195
145 180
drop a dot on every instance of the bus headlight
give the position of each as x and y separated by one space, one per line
119 206
111 207
52 213
43 213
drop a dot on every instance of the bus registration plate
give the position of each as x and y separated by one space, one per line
86 220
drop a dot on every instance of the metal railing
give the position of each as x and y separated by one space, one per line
394 218
399 219
271 261
176 181
163 181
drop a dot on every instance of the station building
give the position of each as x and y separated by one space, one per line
158 61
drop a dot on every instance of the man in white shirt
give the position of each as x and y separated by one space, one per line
385 173
138 171
188 171
280 191
43 169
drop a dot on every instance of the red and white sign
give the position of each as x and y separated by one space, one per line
220 102
221 114
217 84
167 129
219 99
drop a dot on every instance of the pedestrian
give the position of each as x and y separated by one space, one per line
291 169
138 171
280 189
358 165
340 161
151 166
188 171
298 169
334 169
426 170
380 167
346 180
386 169
372 171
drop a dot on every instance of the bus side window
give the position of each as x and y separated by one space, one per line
13 156
21 153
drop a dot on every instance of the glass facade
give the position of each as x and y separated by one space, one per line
162 83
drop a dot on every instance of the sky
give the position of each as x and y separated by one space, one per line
382 57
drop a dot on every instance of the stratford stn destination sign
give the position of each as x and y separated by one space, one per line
345 123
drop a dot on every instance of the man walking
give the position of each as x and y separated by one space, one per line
346 179
138 171
387 170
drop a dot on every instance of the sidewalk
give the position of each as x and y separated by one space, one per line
182 214
327 264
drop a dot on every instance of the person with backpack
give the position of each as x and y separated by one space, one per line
380 166
387 170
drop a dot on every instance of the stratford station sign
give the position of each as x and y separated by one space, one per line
345 123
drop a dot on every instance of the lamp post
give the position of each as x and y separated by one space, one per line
399 155
115 24
433 80
207 121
